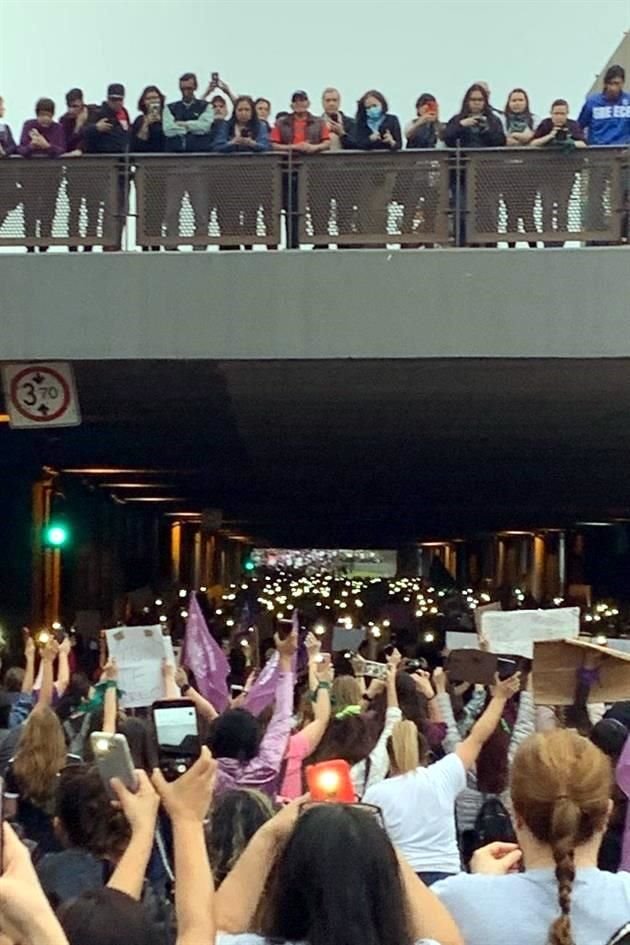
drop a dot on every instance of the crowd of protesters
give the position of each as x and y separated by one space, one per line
220 121
475 817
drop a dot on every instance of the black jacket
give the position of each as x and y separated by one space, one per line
154 144
362 134
426 136
115 141
492 136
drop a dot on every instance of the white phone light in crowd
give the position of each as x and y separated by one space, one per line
429 637
230 622
159 602
601 640
102 744
347 622
56 625
43 637
183 593
319 629
183 613
163 619
203 589
386 623
376 632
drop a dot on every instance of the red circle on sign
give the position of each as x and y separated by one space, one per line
65 400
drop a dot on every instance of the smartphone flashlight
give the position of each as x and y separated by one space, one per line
331 782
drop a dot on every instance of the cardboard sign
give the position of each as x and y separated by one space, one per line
472 666
514 632
557 662
139 652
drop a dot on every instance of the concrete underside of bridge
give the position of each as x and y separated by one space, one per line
340 397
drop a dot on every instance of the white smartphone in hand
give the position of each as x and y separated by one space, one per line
113 760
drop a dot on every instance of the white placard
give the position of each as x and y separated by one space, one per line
456 640
139 652
482 609
621 646
514 632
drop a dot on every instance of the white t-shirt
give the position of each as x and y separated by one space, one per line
419 813
248 939
519 908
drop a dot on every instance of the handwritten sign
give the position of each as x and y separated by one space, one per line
139 652
514 632
484 609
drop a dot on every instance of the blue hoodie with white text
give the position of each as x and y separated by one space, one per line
607 120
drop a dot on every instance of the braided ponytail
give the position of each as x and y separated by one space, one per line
561 787
565 823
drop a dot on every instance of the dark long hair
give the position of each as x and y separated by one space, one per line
527 114
475 87
150 88
336 882
361 112
351 738
107 917
235 818
253 125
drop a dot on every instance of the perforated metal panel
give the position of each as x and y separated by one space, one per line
548 194
75 202
359 198
229 200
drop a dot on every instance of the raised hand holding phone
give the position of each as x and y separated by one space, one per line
189 797
113 760
177 733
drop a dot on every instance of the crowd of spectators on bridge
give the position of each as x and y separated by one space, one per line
221 122
475 816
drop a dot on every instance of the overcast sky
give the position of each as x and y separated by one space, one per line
552 48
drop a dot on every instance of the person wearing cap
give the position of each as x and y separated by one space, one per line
110 133
301 133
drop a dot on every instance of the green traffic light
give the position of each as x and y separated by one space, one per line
56 535
250 566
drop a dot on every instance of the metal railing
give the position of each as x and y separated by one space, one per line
410 198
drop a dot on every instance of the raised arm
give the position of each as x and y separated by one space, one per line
187 801
63 667
141 811
274 743
314 731
469 749
110 701
204 708
49 655
29 672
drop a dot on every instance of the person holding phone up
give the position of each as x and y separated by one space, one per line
418 799
147 133
425 130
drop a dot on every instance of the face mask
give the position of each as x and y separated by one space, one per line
374 112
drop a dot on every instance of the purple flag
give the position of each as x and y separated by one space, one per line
263 692
202 654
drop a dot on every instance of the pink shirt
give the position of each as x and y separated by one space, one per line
623 780
299 749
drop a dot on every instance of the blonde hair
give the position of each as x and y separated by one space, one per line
40 756
406 747
561 786
346 691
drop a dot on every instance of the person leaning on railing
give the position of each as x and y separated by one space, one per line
9 197
147 136
476 126
519 188
83 189
562 134
42 137
244 133
110 133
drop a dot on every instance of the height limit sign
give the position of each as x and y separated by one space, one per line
41 395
